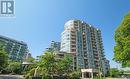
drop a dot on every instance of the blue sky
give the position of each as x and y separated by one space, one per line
38 22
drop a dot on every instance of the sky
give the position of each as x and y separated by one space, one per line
38 22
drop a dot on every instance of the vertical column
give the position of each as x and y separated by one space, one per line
82 75
92 74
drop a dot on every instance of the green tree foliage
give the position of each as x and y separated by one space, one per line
49 66
31 59
122 38
48 61
3 58
64 65
114 72
74 75
45 66
30 73
14 67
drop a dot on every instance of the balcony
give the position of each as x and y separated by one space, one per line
85 57
96 57
73 46
73 43
73 38
73 50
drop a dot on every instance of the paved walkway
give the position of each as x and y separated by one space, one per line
11 77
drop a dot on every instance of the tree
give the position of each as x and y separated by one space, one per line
30 66
14 67
114 72
31 59
3 58
49 66
48 62
74 75
122 39
64 65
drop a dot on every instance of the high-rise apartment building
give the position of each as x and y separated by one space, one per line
17 50
54 46
85 42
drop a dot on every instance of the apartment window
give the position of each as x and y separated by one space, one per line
68 38
73 42
67 35
73 50
73 46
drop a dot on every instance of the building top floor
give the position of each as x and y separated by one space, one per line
12 40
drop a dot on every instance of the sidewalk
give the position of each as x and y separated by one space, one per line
11 77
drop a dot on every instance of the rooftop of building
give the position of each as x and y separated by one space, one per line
13 40
76 20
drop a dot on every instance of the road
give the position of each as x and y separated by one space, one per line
11 77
